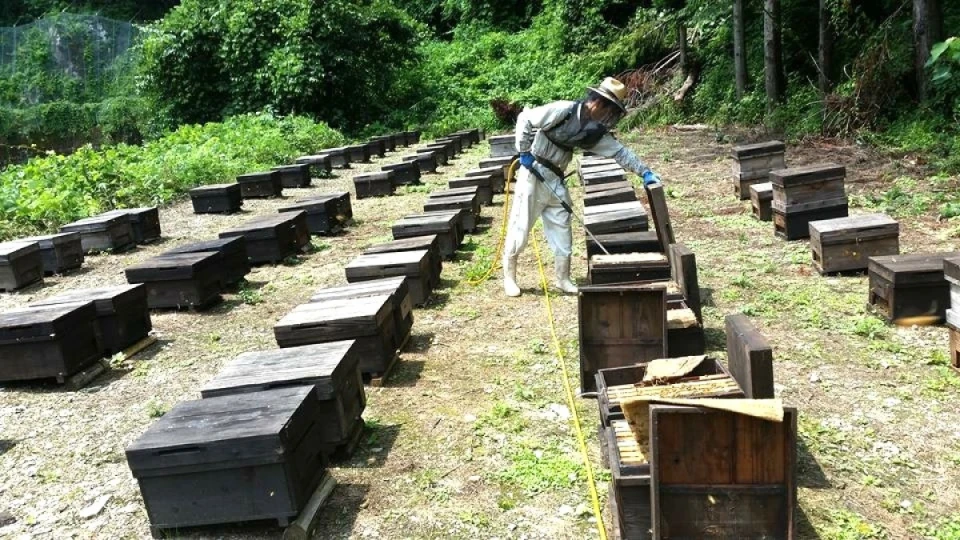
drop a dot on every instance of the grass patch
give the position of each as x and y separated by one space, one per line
537 470
846 525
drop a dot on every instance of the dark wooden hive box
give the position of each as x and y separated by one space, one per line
718 474
483 184
458 215
395 287
447 148
907 286
427 162
369 320
502 162
145 222
620 326
60 252
377 146
271 239
377 184
216 199
469 203
592 178
333 369
123 317
503 146
48 341
796 225
103 233
444 226
413 137
322 213
683 268
179 280
439 154
359 153
627 268
597 188
344 206
610 196
629 482
685 335
805 194
234 264
750 357
405 173
230 459
845 244
260 185
761 198
455 142
294 176
21 264
616 218
629 242
414 265
320 164
496 174
339 157
752 164
429 242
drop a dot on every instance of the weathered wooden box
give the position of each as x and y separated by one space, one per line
123 317
412 137
405 173
903 287
458 216
805 194
685 335
234 263
594 177
414 265
752 164
378 184
48 342
616 218
845 244
683 268
228 459
717 474
320 164
443 226
610 196
427 161
369 320
455 141
629 482
496 175
761 198
627 268
260 185
339 157
620 326
396 288
440 153
344 206
271 239
179 280
599 188
456 202
620 243
428 242
60 251
103 233
483 184
332 369
145 222
294 176
503 146
216 199
377 147
750 357
321 213
359 153
21 264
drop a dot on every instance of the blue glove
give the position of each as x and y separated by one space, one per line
526 159
650 178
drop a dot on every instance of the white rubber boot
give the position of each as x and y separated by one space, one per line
510 277
562 265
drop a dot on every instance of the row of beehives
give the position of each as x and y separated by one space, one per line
302 403
810 202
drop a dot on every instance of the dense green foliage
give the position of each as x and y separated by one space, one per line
49 191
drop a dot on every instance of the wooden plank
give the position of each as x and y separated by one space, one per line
683 265
302 528
661 215
750 357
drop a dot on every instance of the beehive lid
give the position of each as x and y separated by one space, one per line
105 299
226 245
403 165
95 223
173 267
854 228
40 322
758 149
214 189
350 314
373 177
485 171
13 250
409 262
807 175
412 243
49 241
264 227
258 177
913 269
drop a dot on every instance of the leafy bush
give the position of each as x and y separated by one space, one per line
46 192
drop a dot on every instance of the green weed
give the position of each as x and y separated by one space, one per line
249 295
536 470
155 409
846 525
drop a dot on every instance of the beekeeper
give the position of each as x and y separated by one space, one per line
546 138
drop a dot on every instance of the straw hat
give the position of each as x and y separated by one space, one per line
613 90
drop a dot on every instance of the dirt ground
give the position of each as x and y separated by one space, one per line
471 437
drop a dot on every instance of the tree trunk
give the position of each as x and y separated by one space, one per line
927 30
826 48
772 54
739 49
682 45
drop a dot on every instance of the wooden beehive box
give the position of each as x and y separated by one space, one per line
601 177
378 184
502 162
395 287
627 268
428 242
444 226
496 174
483 184
750 357
48 342
377 146
439 152
359 153
503 146
685 335
332 369
458 215
597 188
271 239
390 142
614 195
21 264
469 203
845 244
260 185
614 385
321 213
752 164
145 222
414 265
805 194
619 243
620 326
60 252
294 176
629 483
906 286
369 320
427 161
412 137
405 173
718 474
616 218
228 459
180 280
339 157
683 268
320 164
761 198
103 233
216 199
234 263
123 317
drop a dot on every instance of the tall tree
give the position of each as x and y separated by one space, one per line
739 48
773 54
825 60
927 30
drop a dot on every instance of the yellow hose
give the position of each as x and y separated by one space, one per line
503 228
